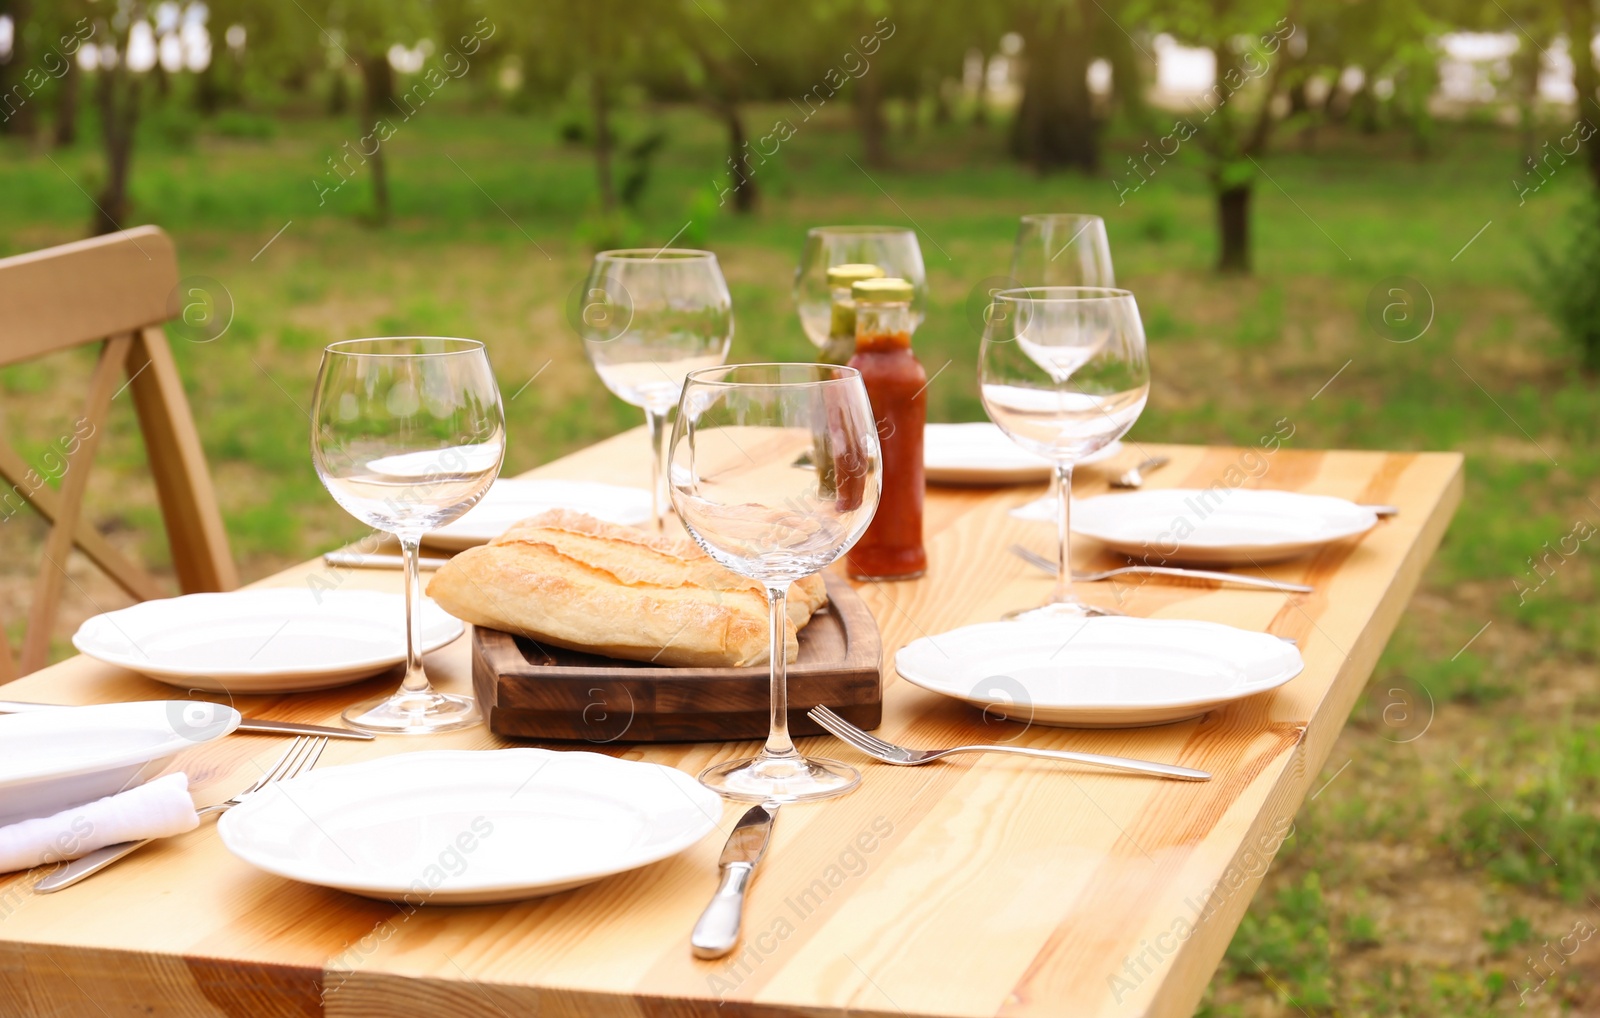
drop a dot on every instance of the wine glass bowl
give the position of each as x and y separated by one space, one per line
648 317
407 435
1064 372
893 249
775 471
1062 249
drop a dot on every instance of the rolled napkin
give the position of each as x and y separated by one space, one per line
158 809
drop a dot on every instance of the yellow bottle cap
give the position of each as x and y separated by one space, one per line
882 291
844 275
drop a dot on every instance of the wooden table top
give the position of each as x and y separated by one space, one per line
983 886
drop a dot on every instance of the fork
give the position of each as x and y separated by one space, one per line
300 757
1050 567
888 752
1134 478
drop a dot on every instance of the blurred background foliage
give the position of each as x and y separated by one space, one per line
356 167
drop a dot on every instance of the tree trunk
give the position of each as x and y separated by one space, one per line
338 93
378 98
869 115
207 93
1580 25
119 115
745 193
1055 126
603 142
17 98
66 127
1233 221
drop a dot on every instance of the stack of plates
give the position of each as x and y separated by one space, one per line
51 760
982 454
510 501
1098 672
460 827
273 640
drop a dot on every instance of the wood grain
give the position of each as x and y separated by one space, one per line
534 691
985 886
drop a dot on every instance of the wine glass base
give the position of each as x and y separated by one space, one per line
404 713
1062 610
780 779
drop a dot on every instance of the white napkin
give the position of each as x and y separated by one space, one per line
1040 510
158 809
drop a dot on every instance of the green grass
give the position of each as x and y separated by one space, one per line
1403 851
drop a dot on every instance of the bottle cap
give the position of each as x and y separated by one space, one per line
882 291
844 275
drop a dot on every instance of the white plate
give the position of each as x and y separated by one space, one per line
1218 526
982 454
272 640
459 827
51 760
1098 672
509 502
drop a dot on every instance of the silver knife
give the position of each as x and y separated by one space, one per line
717 932
355 560
259 725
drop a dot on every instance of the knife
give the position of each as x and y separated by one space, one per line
260 725
717 932
356 560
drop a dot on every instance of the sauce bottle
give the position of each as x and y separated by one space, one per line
891 549
842 324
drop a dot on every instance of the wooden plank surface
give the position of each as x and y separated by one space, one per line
985 886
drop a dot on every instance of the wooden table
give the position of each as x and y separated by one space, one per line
985 886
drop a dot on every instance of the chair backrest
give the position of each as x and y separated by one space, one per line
113 291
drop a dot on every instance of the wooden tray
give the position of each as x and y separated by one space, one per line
533 691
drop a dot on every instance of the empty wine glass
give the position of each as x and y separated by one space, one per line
894 249
407 434
1063 372
649 317
743 486
1062 249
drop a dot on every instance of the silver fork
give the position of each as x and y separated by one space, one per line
300 757
888 752
1135 478
1034 558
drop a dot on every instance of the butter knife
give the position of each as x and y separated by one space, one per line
717 932
258 725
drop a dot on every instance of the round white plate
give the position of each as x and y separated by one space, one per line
982 454
1218 526
272 640
1098 672
459 827
510 501
51 760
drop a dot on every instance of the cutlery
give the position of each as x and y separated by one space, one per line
888 752
1135 478
355 560
1381 511
263 726
717 931
301 756
1034 558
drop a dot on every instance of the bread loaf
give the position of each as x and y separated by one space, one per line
573 581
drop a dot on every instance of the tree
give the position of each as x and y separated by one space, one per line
1233 122
117 94
1579 16
18 118
1055 125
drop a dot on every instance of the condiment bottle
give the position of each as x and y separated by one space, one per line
891 549
842 324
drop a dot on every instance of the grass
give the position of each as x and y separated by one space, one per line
1425 875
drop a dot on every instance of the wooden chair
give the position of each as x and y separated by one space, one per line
113 291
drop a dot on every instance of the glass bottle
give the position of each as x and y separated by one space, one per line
842 324
896 384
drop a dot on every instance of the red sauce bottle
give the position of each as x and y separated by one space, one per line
891 549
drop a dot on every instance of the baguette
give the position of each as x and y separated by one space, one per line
570 580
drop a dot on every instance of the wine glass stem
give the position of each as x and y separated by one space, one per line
657 422
416 680
778 742
1064 533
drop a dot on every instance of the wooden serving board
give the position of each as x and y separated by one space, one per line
535 691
